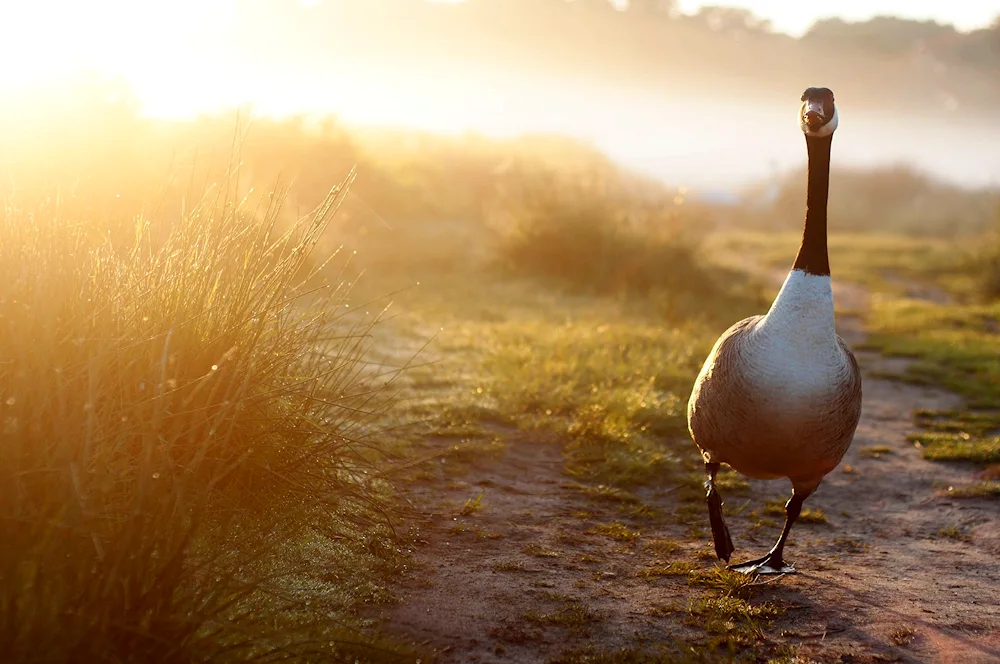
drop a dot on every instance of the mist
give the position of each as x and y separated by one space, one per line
704 101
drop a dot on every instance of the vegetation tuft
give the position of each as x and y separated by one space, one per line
187 465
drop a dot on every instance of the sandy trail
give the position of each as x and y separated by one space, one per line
522 580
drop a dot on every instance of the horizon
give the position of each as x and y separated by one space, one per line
207 57
796 18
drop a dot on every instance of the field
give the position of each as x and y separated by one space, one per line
433 409
565 520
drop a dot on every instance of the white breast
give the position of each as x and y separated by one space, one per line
793 352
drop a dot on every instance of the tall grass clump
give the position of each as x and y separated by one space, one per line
186 472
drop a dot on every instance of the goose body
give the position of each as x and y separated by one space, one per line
780 394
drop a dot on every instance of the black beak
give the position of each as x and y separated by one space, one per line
813 115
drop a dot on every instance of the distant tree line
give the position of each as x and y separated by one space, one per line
882 35
884 63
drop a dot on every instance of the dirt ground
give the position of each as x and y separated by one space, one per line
899 573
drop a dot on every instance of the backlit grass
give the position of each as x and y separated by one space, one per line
890 264
951 447
617 531
186 441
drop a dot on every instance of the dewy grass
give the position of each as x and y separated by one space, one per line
186 415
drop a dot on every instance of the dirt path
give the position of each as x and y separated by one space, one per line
899 573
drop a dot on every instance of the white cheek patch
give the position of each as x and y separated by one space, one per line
823 131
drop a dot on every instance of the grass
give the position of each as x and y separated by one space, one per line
662 546
187 423
473 505
986 489
957 447
888 264
903 636
812 515
616 388
726 581
851 545
875 451
734 623
953 346
617 531
198 419
676 568
606 378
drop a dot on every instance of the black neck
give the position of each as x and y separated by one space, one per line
813 257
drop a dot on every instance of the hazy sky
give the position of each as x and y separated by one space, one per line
177 57
796 17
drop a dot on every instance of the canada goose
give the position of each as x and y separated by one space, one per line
780 394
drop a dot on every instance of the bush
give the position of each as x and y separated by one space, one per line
184 418
984 262
598 236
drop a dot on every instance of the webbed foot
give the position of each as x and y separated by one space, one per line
769 564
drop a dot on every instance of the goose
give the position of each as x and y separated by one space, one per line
779 395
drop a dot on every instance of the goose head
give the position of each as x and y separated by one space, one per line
818 114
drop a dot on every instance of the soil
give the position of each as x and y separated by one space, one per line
899 573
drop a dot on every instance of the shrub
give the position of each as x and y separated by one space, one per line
984 262
597 236
178 412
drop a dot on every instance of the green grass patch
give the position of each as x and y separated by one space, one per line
986 489
953 345
733 622
606 377
886 263
730 481
676 568
812 515
729 582
957 447
473 505
617 531
662 546
875 451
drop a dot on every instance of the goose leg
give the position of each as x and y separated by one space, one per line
720 532
773 562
